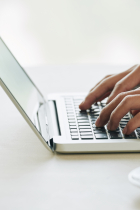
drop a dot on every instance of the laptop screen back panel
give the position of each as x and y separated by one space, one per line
19 87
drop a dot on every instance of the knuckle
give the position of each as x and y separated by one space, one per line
120 96
119 85
127 99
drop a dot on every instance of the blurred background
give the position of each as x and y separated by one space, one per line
72 31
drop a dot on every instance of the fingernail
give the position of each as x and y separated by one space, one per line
108 125
125 130
97 121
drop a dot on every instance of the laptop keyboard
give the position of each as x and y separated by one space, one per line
82 123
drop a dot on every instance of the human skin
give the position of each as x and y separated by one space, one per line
121 99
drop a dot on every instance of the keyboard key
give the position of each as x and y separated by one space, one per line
93 121
115 135
84 121
131 136
123 123
84 127
84 124
73 127
83 111
99 128
87 137
96 110
122 126
85 130
95 114
102 106
77 110
73 130
68 103
70 115
138 132
92 115
74 134
101 136
124 120
117 130
94 126
99 131
72 124
93 118
86 134
95 105
75 138
104 100
82 118
72 121
71 118
69 109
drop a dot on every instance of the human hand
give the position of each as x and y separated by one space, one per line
121 100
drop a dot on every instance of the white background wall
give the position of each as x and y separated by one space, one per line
72 31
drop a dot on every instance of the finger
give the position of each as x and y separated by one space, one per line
126 83
101 81
106 112
126 72
104 96
128 103
132 125
98 92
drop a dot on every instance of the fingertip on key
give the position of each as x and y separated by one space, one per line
81 105
84 105
97 123
125 130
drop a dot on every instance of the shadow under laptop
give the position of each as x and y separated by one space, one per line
99 156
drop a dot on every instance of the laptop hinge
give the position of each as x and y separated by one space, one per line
43 128
47 122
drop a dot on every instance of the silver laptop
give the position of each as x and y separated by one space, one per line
57 121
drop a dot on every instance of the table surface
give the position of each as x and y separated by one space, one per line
33 178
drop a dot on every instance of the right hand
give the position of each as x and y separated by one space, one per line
115 86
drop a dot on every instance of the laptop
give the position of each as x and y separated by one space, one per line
58 122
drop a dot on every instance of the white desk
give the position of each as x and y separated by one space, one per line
33 178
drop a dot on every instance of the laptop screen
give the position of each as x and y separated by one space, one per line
18 82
